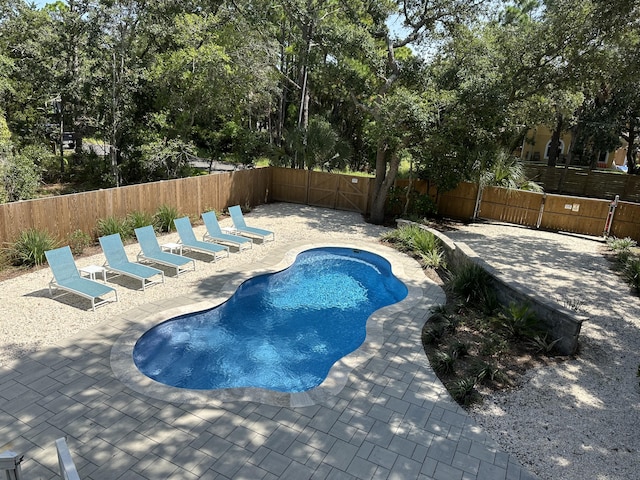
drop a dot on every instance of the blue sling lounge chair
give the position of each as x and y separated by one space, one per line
190 242
151 251
215 233
118 263
243 229
66 277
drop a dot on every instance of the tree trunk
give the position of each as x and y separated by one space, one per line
632 149
554 146
384 180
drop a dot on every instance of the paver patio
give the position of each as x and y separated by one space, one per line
392 419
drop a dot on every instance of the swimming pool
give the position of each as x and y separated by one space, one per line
281 331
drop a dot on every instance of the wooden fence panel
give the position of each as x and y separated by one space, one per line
631 192
626 221
64 214
575 214
290 185
512 206
460 202
583 181
353 193
323 189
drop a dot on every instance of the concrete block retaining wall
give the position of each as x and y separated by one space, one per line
561 322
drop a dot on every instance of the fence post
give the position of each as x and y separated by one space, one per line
539 222
476 209
609 221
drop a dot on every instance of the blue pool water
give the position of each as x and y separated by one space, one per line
281 331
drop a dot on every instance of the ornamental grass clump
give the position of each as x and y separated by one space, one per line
422 243
78 241
473 285
137 219
30 246
164 217
111 225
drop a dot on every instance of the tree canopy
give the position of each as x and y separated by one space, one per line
449 84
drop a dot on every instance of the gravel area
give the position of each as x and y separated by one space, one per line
31 320
577 419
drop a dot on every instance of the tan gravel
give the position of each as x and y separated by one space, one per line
32 320
578 419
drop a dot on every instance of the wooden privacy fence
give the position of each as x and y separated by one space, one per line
564 213
585 182
64 214
321 189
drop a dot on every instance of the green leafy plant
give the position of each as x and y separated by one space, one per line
472 283
459 350
463 390
424 205
543 344
111 225
493 344
573 303
165 215
432 335
632 272
78 241
434 259
621 244
443 363
487 373
519 321
137 219
30 246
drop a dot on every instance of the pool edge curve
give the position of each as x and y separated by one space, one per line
403 267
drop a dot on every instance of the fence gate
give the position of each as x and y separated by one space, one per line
340 192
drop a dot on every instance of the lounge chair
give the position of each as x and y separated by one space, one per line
118 263
190 242
243 229
151 251
68 469
66 277
215 233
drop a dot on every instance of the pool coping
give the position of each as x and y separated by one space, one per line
403 267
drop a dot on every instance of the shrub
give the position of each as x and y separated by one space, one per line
459 350
111 225
632 272
486 373
424 205
519 321
423 241
78 241
138 219
434 259
543 344
620 244
30 246
433 334
472 283
164 217
463 390
443 363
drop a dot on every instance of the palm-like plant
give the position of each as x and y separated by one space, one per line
507 171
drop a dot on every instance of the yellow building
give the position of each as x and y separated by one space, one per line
535 148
